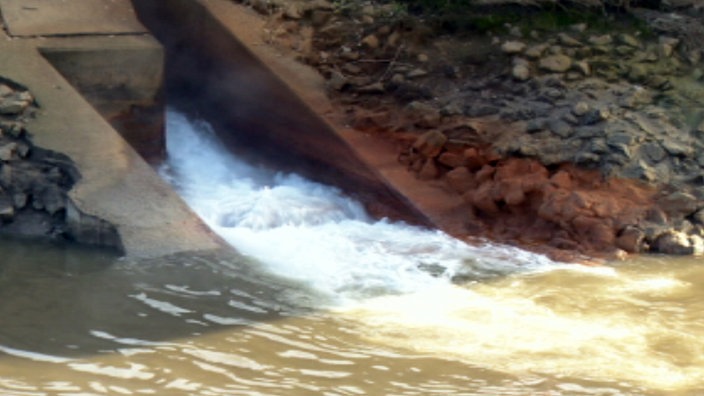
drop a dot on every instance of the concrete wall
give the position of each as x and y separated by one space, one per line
115 197
122 79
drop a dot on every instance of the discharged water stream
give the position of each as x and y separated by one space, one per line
326 301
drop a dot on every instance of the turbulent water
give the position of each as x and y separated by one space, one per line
324 300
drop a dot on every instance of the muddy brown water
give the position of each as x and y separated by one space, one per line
324 301
83 322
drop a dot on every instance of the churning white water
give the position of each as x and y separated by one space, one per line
312 232
631 328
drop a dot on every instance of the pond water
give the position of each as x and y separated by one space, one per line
323 300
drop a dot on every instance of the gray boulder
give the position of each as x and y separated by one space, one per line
673 242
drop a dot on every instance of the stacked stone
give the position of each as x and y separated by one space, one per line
33 182
611 102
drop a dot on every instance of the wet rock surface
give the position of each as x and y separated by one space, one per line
577 137
33 182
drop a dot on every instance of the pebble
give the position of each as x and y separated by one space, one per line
8 151
337 81
583 67
602 40
430 144
12 107
5 90
653 152
350 55
513 47
566 39
665 50
560 128
535 51
666 45
371 41
397 78
521 72
351 68
292 11
374 88
580 108
416 73
629 40
556 63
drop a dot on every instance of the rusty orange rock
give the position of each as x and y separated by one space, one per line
430 144
460 179
561 179
485 173
429 171
453 160
473 159
483 198
631 240
595 231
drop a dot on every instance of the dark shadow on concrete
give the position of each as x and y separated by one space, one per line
122 78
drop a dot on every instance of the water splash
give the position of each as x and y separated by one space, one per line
308 231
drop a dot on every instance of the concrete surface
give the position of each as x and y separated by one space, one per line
122 77
69 17
116 186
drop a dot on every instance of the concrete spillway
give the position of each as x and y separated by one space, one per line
118 200
101 81
260 102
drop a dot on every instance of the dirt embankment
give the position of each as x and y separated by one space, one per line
576 129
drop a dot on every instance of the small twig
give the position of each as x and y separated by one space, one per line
373 61
392 63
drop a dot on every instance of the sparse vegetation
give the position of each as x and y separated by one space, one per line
493 16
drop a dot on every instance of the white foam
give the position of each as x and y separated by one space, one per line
308 231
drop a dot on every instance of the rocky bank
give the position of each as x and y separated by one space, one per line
33 182
583 134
